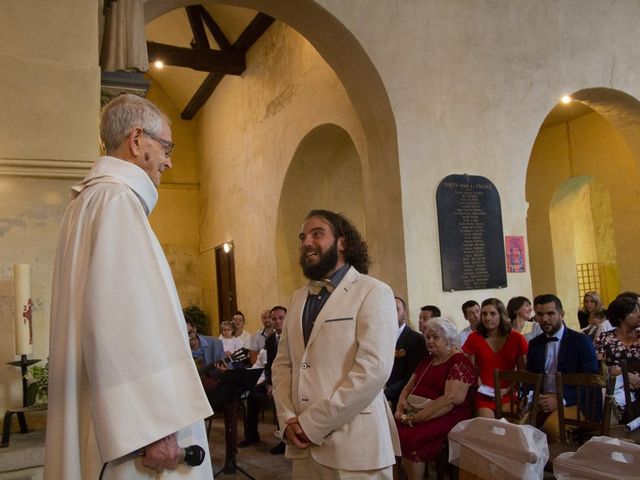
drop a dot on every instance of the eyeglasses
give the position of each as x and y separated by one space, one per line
166 144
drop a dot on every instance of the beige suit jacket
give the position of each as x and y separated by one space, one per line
335 385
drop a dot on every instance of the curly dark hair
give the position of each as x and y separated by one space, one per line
196 317
355 252
505 324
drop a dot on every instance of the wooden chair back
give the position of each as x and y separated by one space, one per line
593 412
520 409
632 408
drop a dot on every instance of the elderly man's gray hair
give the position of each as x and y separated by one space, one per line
123 114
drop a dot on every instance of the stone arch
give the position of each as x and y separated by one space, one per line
583 198
380 162
329 156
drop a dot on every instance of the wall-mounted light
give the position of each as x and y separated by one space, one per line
566 99
227 247
159 64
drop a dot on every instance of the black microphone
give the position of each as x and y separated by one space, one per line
192 455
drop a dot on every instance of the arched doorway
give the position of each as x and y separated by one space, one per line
328 155
583 198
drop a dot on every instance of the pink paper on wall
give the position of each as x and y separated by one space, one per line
515 254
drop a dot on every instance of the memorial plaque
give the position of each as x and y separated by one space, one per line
470 228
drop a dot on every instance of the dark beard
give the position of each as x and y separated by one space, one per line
318 271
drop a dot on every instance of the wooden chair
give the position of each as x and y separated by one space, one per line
521 383
591 404
632 408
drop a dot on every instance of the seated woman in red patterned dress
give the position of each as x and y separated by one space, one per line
445 380
493 345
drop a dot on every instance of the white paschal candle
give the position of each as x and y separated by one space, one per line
22 292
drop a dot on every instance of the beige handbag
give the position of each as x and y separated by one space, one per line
415 403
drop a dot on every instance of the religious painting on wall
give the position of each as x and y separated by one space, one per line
470 232
515 254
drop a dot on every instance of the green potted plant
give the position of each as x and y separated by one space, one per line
38 389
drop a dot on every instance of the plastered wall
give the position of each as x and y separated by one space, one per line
470 84
176 218
49 98
48 128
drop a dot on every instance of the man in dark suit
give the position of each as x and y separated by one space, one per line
557 349
410 350
262 394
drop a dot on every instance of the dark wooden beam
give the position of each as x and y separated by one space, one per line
202 95
253 32
231 62
215 30
197 27
247 38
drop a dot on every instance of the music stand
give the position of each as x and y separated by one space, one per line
231 386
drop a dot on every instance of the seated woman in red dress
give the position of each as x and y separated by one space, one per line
443 383
493 345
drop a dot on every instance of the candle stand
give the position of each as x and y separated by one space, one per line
23 363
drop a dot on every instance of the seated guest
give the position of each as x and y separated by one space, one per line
520 314
239 332
494 344
598 323
410 350
427 312
471 312
258 339
622 343
262 393
557 349
207 352
591 304
445 380
229 342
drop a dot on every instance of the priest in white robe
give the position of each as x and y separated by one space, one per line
123 389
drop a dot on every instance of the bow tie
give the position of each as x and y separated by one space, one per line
316 286
550 339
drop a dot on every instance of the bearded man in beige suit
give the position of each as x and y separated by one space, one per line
335 355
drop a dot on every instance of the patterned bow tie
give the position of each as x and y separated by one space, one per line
316 286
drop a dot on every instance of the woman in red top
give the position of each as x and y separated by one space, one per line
494 345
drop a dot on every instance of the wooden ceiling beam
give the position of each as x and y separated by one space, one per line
247 38
197 27
214 28
231 63
253 32
201 96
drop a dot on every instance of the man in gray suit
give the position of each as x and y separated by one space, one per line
334 358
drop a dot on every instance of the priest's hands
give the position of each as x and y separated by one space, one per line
162 454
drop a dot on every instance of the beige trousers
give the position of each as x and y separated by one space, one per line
308 469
